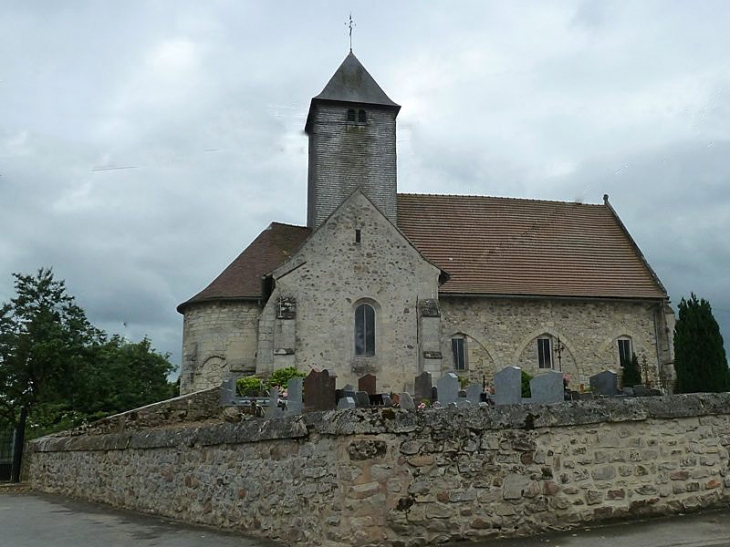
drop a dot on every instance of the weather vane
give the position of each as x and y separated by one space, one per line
350 25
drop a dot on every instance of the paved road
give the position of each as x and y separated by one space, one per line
36 520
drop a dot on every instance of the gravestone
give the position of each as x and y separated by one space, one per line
406 401
548 388
348 387
508 386
346 403
641 391
448 388
423 384
387 401
605 383
294 396
319 391
228 392
474 393
628 391
273 410
368 384
362 399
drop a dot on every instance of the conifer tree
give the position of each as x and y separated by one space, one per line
632 372
700 359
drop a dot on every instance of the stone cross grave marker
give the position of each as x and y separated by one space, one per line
423 385
368 384
294 396
548 388
604 383
474 393
319 390
448 388
508 386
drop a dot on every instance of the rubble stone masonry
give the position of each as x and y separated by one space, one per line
394 477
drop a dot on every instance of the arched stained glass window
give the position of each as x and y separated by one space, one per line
364 330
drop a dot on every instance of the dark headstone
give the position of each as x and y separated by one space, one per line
319 391
508 386
548 388
376 399
294 396
605 383
346 403
641 391
448 388
406 401
368 384
273 409
423 387
228 392
474 393
362 399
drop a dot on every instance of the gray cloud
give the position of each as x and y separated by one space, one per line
143 145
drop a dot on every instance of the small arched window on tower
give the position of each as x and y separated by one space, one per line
362 116
351 115
365 330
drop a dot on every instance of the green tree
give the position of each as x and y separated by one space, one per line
64 370
700 359
45 339
632 372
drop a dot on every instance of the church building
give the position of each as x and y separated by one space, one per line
396 284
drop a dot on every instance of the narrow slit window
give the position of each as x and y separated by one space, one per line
545 352
458 346
625 353
358 236
365 330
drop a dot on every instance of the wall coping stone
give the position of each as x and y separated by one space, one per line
376 420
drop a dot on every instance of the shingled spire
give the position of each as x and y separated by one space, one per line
351 128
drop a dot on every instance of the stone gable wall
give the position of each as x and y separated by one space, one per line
503 332
393 477
346 155
328 277
218 338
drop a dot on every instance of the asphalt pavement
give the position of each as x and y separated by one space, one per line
28 519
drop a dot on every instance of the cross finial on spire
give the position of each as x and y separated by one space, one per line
351 25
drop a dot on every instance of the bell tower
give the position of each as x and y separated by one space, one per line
351 130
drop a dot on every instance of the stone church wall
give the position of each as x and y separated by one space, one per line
331 275
393 477
503 332
218 338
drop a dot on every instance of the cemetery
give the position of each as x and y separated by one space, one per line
319 463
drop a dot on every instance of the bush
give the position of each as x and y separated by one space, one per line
249 386
281 377
632 373
526 392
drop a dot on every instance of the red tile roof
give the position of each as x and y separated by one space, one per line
241 280
506 246
489 246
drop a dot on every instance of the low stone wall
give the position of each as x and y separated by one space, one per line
388 476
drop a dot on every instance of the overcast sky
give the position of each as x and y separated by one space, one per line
143 145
